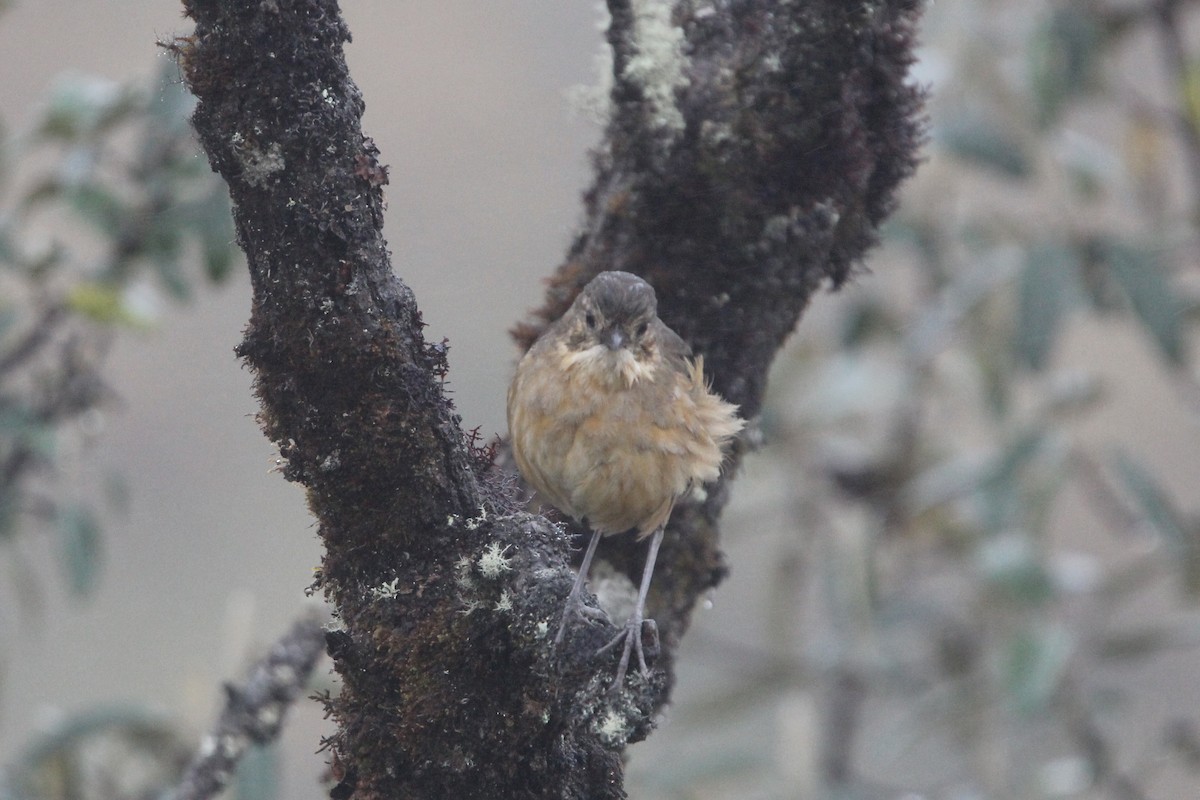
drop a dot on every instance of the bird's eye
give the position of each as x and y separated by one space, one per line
590 319
641 329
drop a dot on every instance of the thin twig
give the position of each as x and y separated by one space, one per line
37 336
1104 498
254 711
1096 748
842 725
1175 59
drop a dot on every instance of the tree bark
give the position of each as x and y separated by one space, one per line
753 149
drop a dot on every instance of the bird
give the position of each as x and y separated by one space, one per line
611 421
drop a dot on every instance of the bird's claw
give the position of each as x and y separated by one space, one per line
633 635
575 605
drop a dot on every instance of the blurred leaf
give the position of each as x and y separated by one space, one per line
100 206
853 383
1012 566
171 104
947 480
42 191
172 277
213 222
862 320
210 219
81 548
1063 59
1191 95
1190 571
995 364
1103 293
44 261
1190 308
104 304
8 253
1036 662
258 774
1137 643
992 478
1071 391
8 316
77 165
8 513
164 238
1165 518
119 752
5 155
957 302
984 143
23 584
1044 482
924 237
1002 500
21 426
1050 287
1140 273
218 258
82 105
1147 154
1184 741
1157 507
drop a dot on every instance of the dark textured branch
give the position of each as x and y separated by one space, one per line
754 147
254 711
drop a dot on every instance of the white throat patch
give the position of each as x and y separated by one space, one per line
609 366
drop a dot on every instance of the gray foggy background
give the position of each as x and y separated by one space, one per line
467 103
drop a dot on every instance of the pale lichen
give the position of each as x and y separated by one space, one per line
494 563
474 523
658 65
258 164
387 591
613 729
505 603
462 572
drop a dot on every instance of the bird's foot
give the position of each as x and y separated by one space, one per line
576 606
633 636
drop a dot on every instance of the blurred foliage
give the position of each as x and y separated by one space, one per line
106 754
123 753
985 590
105 206
258 774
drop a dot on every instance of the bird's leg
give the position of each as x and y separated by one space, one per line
633 627
573 603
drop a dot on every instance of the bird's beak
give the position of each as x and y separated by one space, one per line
613 338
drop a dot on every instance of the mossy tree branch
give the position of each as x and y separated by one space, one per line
753 149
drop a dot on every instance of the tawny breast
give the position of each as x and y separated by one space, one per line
616 456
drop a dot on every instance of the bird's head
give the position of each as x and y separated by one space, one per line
612 326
